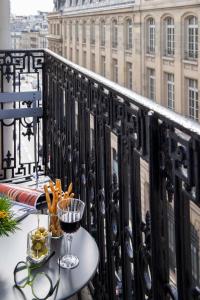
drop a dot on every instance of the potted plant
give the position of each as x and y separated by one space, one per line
7 223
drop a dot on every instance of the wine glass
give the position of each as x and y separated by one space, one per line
70 212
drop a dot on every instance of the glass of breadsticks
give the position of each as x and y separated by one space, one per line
53 194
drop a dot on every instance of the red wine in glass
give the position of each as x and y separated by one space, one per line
70 212
70 222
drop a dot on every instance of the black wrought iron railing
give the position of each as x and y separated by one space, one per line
21 112
136 165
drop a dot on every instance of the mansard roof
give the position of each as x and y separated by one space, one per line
81 5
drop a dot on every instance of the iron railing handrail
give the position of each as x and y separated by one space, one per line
133 97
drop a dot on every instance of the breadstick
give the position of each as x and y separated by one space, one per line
59 186
47 198
71 195
55 201
51 186
70 188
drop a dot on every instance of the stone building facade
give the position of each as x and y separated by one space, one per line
149 46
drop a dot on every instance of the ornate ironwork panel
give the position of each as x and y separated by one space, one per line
20 71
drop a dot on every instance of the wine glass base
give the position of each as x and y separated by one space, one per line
69 262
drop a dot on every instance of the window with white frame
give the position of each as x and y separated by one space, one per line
71 54
114 34
77 56
102 33
129 76
65 30
84 62
84 32
193 105
191 46
170 90
77 32
151 35
169 36
93 62
115 70
58 29
129 34
195 262
92 33
103 65
70 31
151 84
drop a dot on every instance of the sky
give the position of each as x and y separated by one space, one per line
30 7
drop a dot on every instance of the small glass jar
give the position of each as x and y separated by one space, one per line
54 226
38 244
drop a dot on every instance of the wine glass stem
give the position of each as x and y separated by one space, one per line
69 243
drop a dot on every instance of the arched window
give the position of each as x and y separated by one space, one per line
169 36
151 36
129 34
102 33
92 33
191 35
114 34
77 31
84 32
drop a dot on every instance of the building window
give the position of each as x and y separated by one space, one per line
84 59
151 36
115 70
77 32
114 34
151 84
169 36
191 35
193 104
92 33
71 54
93 62
54 29
129 34
58 29
84 32
129 76
103 65
65 31
77 56
171 238
102 33
195 255
170 90
70 31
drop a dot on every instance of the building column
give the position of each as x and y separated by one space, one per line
88 45
97 47
158 61
180 106
5 43
5 39
121 49
138 54
108 47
